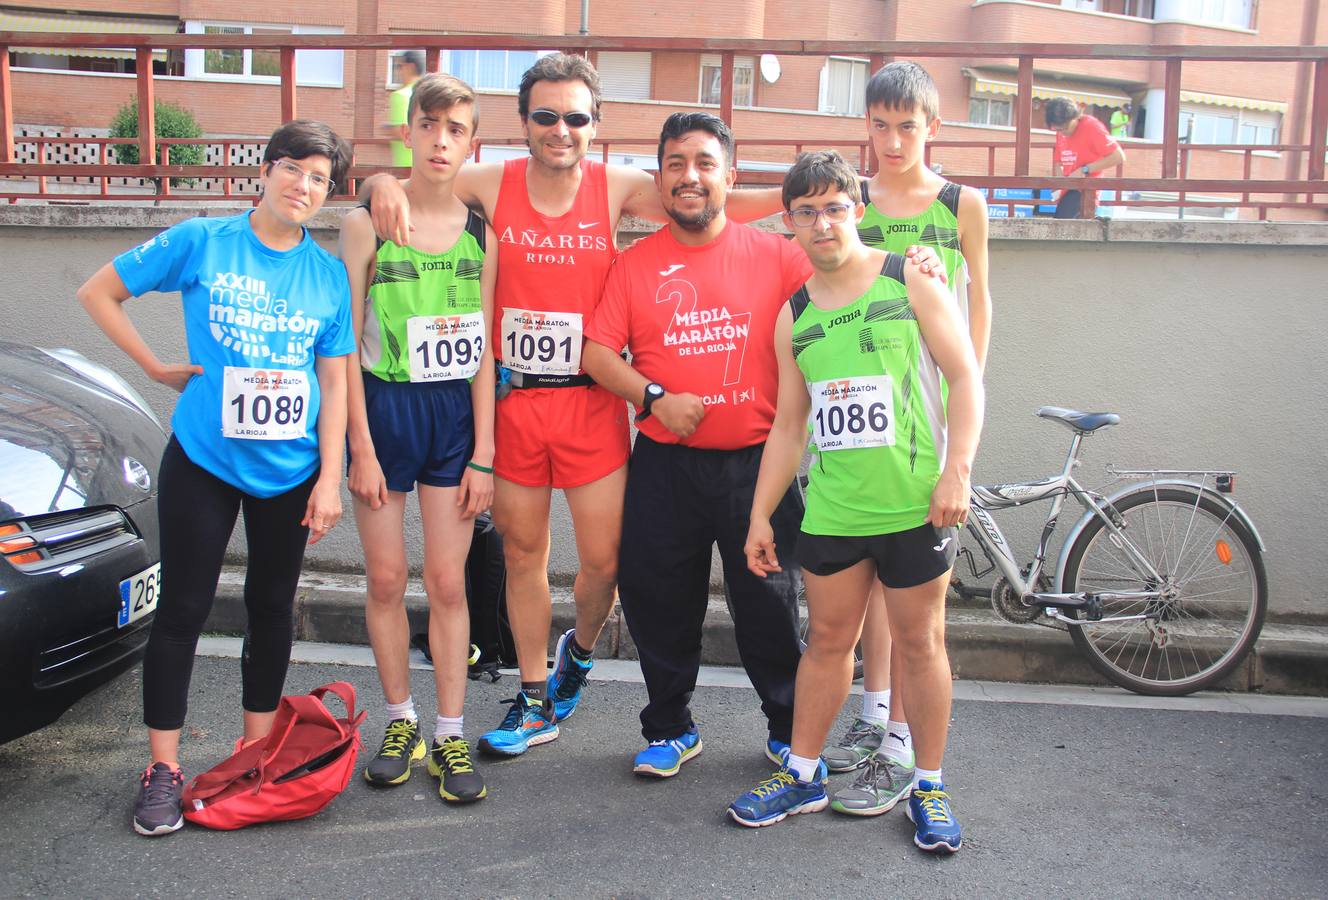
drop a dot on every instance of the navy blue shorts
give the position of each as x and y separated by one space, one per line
422 431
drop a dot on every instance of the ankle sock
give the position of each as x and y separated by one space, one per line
579 653
534 690
403 710
876 706
446 727
803 769
932 775
898 741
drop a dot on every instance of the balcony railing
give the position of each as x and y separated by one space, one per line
1302 187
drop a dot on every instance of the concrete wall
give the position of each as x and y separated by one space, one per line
1201 336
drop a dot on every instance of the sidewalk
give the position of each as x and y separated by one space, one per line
1288 659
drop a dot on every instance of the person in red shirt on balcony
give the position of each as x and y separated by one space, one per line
1083 147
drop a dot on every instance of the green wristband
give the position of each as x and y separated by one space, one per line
471 464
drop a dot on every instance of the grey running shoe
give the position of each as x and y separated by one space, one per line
450 762
402 745
860 741
880 784
157 811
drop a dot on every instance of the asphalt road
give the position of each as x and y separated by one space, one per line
1056 799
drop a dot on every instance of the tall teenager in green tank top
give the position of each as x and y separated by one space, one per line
862 350
906 204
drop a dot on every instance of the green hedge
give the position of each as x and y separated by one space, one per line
172 122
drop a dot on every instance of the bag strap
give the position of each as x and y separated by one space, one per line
345 691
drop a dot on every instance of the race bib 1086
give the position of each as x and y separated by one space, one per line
541 343
443 348
850 413
264 404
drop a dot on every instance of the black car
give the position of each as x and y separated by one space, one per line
79 451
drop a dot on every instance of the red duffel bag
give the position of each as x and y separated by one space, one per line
305 761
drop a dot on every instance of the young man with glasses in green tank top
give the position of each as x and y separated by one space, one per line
862 351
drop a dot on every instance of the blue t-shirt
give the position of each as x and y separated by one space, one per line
253 310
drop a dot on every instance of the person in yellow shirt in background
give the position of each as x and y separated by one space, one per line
407 69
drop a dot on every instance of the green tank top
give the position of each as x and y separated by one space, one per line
877 418
937 227
423 316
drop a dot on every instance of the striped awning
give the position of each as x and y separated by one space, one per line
984 83
1276 106
16 21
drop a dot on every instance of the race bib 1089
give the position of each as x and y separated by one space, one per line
851 413
541 343
443 348
264 404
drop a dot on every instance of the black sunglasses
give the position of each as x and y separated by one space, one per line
547 117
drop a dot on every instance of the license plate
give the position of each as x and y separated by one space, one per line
139 595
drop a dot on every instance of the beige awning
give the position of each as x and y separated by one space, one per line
1276 106
985 83
15 21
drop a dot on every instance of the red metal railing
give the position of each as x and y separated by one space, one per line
1303 186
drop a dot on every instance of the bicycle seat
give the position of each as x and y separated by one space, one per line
1082 422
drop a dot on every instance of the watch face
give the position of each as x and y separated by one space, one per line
654 390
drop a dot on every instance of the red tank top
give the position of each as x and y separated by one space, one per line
549 264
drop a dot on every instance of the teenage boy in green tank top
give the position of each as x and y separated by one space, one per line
906 204
862 350
421 410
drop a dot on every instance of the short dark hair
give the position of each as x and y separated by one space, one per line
1058 111
678 124
415 58
559 67
303 138
437 92
904 85
818 172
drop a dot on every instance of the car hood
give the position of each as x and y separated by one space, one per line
67 442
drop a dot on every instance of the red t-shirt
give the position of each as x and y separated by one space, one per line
1089 143
550 264
701 320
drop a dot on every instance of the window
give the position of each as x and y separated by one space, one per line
624 76
88 59
989 111
844 87
481 69
1236 13
1220 125
712 79
312 67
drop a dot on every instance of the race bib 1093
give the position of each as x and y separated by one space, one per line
444 348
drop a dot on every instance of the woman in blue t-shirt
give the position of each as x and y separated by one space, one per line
260 426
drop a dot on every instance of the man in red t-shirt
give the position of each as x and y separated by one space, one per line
696 304
1083 147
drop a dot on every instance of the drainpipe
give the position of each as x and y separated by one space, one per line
585 17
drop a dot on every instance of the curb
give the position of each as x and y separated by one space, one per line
330 608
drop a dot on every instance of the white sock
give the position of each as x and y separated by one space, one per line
803 769
403 710
446 727
898 742
876 706
934 776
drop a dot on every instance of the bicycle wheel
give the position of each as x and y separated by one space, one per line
1211 599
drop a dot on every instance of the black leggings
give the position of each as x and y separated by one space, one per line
197 512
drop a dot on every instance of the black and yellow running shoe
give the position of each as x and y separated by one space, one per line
402 745
450 762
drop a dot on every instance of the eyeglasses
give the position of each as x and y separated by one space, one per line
805 216
294 173
547 117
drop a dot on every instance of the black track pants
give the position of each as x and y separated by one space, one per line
679 501
198 512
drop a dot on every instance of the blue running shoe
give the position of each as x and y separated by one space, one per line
935 828
568 678
779 796
663 759
776 751
526 724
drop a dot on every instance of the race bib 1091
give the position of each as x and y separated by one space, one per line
851 413
541 343
264 404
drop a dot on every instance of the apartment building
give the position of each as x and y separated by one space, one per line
819 99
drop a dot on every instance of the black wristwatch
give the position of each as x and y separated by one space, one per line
653 392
